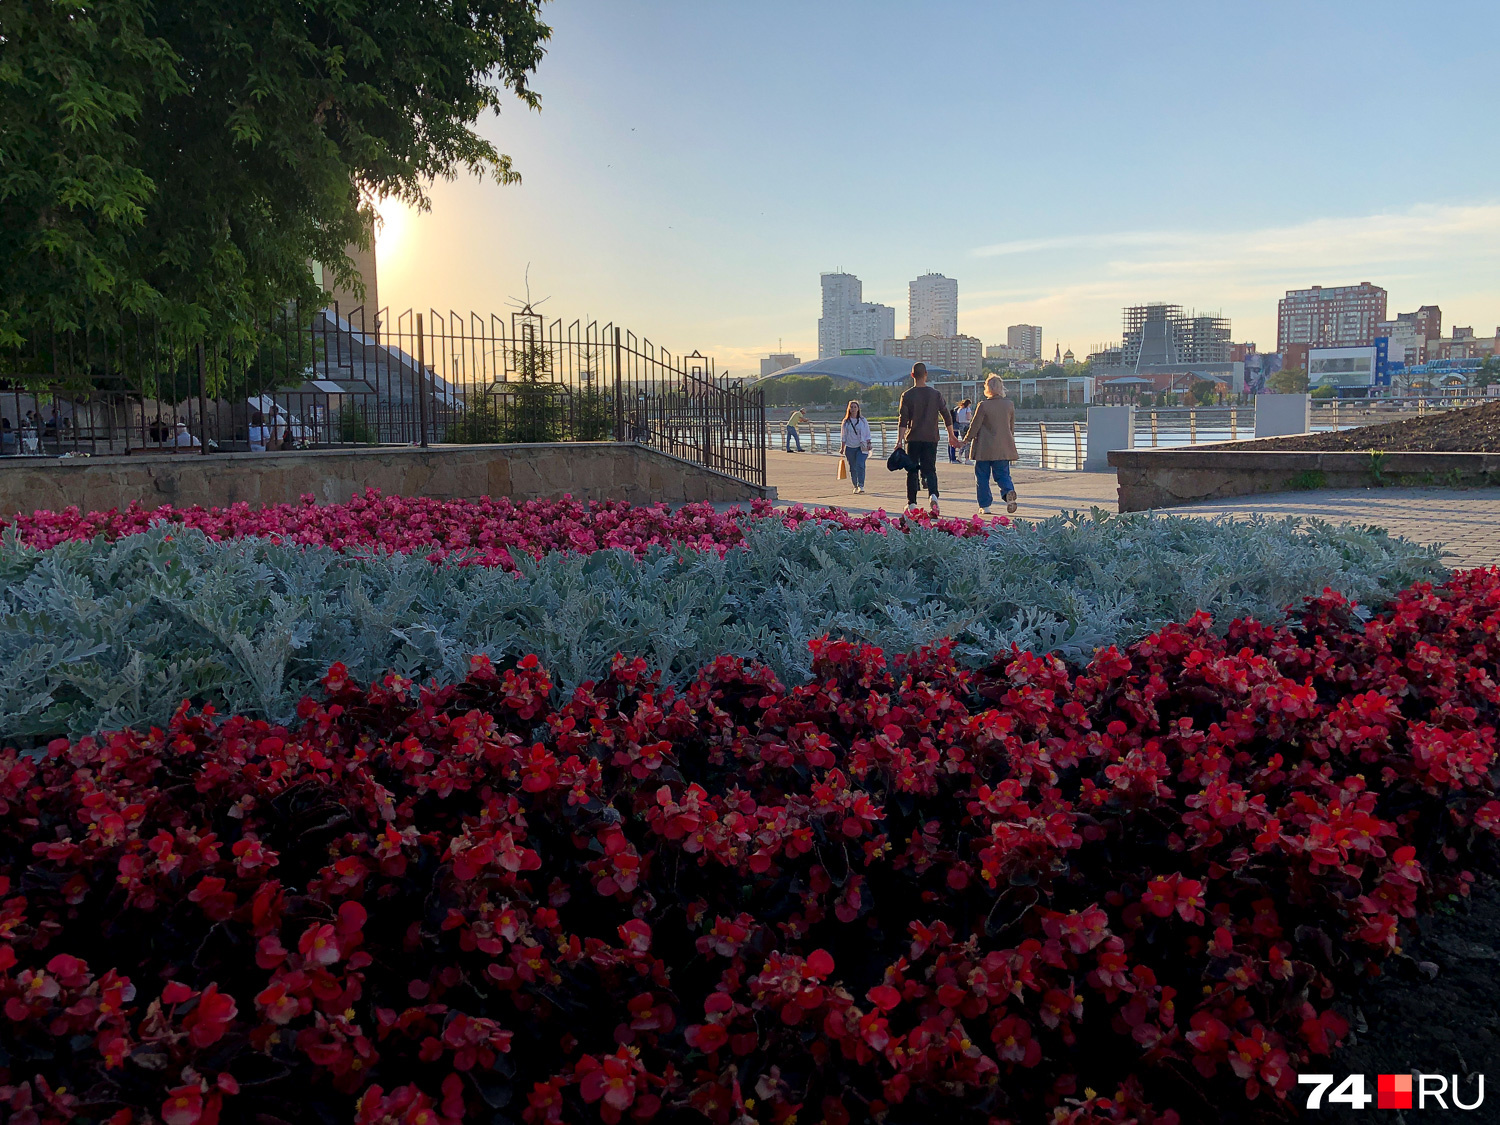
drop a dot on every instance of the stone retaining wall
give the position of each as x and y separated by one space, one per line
1167 478
587 470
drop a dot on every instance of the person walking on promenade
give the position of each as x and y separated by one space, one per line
963 414
921 408
992 443
797 419
856 439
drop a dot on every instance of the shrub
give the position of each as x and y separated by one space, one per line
894 892
351 427
96 635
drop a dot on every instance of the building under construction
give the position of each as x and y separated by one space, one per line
1157 334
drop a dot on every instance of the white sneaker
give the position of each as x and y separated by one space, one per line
932 506
984 511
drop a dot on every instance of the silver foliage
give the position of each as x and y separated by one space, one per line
98 635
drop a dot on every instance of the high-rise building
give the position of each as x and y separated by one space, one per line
849 323
1341 316
346 298
933 306
1411 332
961 354
1158 333
1464 344
1004 353
777 361
1027 336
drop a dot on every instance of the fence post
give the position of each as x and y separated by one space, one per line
619 393
1234 429
1192 427
1042 429
202 401
1153 429
1077 446
421 383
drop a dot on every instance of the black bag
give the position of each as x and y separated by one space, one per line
900 460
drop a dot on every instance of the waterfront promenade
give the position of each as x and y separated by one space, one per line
1467 522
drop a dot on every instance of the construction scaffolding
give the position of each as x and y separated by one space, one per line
1157 333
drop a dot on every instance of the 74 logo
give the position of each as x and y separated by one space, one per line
1350 1092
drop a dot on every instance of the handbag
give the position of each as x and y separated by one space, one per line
843 469
900 460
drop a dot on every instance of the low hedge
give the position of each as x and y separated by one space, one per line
903 891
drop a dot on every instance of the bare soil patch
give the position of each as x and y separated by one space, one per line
1469 429
1435 1011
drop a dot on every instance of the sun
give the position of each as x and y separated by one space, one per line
393 228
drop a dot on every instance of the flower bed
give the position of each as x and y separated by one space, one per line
488 532
1129 892
101 635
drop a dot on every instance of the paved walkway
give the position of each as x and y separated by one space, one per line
1466 521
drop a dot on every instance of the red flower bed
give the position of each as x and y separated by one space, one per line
894 893
480 532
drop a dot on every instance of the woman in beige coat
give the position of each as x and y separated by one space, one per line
992 443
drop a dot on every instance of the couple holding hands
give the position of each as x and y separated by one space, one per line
990 438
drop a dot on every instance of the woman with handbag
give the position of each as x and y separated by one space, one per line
855 436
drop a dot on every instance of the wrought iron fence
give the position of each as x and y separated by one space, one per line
330 378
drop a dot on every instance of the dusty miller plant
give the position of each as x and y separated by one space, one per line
97 635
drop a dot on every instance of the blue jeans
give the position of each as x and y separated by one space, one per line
791 436
960 431
855 458
1001 471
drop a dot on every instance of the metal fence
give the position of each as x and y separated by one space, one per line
330 378
1063 445
1042 445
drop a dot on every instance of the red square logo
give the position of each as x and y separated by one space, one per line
1393 1091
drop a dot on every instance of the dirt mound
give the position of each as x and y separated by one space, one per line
1469 429
1435 1011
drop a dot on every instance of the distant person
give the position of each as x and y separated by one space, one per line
260 434
992 445
856 439
797 419
182 439
917 429
963 413
157 429
30 433
7 436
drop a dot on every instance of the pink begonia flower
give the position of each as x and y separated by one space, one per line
477 532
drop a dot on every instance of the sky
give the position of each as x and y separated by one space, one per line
696 164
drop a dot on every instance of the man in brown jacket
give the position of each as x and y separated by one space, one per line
921 407
992 443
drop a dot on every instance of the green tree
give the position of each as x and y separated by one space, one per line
185 159
1288 381
1488 373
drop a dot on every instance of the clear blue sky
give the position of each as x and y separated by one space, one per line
697 163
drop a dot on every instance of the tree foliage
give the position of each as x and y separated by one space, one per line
1488 373
185 159
1288 381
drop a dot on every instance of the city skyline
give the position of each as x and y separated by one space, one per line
671 201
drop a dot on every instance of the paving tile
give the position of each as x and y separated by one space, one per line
1465 521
